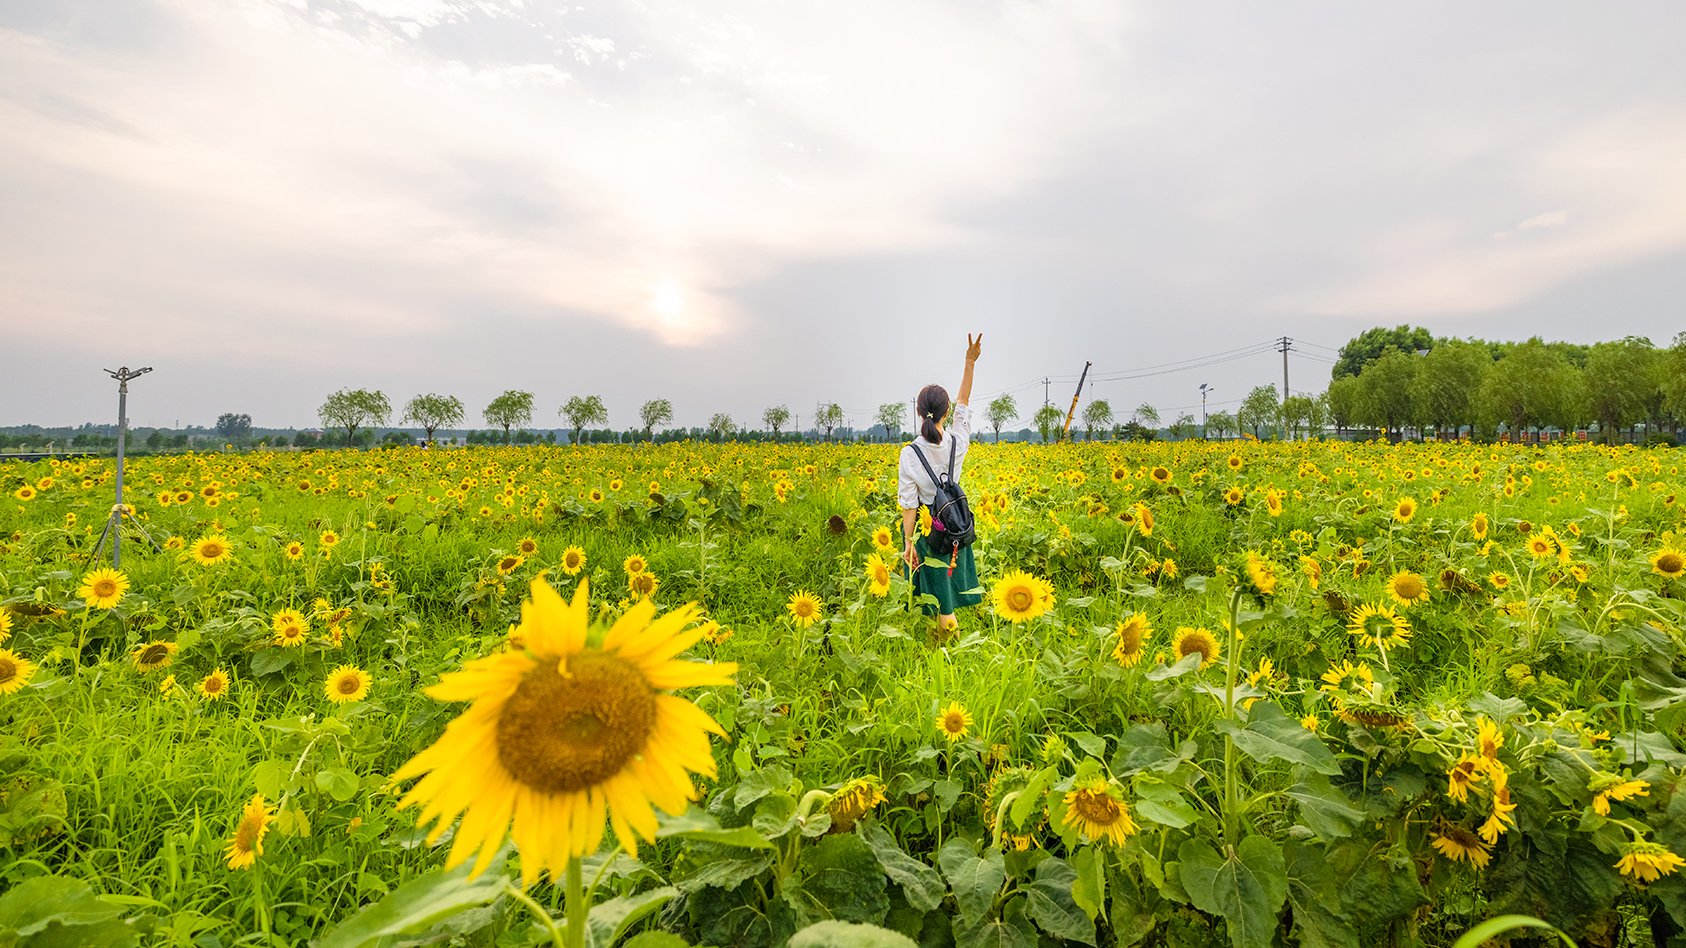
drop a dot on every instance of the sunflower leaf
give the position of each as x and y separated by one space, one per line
419 904
1271 736
1049 901
696 823
1247 888
1325 809
977 880
922 886
610 920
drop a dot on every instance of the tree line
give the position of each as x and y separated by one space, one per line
1400 379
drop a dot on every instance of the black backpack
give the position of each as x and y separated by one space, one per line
951 515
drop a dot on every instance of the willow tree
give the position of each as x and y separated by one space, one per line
433 411
584 411
354 408
512 409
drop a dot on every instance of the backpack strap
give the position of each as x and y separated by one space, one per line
953 445
927 464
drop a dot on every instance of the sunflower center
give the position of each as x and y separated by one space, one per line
954 722
1130 638
804 608
1671 562
1020 598
8 670
213 685
562 734
105 588
349 684
1098 809
154 655
1408 587
1197 643
211 550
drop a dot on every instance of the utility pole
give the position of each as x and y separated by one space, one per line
1204 388
1286 345
1045 401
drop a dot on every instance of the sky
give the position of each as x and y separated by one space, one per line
748 203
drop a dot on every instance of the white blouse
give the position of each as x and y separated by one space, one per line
913 485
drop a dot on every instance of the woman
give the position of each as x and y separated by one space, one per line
914 488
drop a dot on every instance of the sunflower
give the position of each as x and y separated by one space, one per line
345 684
1095 807
508 564
804 608
1380 626
1346 675
1133 634
527 547
215 685
485 512
642 585
1500 818
1669 562
883 540
174 543
1233 496
1541 546
1407 588
1648 862
1234 462
1120 475
1607 787
1261 573
615 484
1273 502
153 656
953 721
15 671
597 495
103 588
573 560
1489 740
1469 770
1478 526
328 538
1019 597
561 732
1143 519
1457 843
1498 580
247 845
294 550
212 550
25 492
291 629
1189 641
635 564
877 576
854 800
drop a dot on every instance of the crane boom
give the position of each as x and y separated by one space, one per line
1066 433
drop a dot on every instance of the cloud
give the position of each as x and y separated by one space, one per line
736 140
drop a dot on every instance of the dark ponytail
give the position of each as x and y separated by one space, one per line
932 407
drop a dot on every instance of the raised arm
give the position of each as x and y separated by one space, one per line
974 348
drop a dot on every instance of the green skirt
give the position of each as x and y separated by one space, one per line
952 591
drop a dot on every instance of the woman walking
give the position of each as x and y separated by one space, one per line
938 450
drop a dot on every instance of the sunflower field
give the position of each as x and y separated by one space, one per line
1317 693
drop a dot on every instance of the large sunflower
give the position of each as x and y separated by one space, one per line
527 547
213 550
1189 641
1407 588
1133 634
573 560
642 585
1648 861
1457 843
635 564
883 540
1669 562
103 588
877 576
15 671
247 845
215 685
153 655
562 731
1405 509
1019 597
347 683
1478 526
953 721
804 608
291 628
1380 626
1095 807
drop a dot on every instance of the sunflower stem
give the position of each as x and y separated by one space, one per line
577 908
1231 780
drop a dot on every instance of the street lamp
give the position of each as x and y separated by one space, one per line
1204 388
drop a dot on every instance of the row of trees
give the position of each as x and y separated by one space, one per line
1453 384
